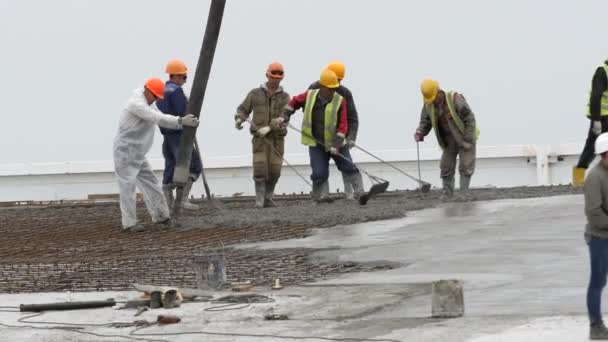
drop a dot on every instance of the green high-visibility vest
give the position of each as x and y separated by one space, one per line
430 108
603 103
331 119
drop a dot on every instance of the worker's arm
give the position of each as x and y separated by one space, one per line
598 86
294 104
425 125
351 114
594 209
342 119
467 116
151 114
245 108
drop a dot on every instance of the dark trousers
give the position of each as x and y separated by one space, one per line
170 146
598 251
319 161
588 153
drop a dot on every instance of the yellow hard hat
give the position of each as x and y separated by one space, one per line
329 79
339 68
429 89
176 67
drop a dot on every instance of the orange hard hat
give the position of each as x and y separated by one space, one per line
275 70
156 86
337 67
176 67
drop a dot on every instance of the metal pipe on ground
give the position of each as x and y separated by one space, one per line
66 306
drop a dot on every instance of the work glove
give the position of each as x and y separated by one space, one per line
189 120
238 124
263 131
418 136
278 122
466 145
350 143
333 150
597 127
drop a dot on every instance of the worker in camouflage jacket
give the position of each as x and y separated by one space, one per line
449 115
266 103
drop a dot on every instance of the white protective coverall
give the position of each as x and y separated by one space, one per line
134 139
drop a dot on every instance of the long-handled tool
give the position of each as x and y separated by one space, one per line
216 203
379 185
274 150
424 186
418 161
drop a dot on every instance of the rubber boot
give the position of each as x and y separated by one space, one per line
325 193
168 192
448 188
357 184
463 193
260 194
186 204
320 193
578 176
315 195
348 188
598 331
268 202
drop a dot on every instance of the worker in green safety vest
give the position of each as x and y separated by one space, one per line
324 129
449 115
597 113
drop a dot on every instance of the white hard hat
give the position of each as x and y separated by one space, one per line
601 143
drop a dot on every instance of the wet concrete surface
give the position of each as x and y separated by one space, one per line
518 259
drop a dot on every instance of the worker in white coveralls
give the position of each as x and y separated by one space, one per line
133 141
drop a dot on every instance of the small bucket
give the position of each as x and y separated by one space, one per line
210 271
448 299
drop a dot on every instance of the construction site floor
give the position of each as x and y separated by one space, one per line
81 247
523 263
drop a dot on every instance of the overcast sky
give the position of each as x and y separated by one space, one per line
69 66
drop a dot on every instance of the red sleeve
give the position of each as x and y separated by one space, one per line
297 102
342 122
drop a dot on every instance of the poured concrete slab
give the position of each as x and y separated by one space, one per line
523 264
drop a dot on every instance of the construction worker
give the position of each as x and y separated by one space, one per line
352 117
454 124
596 235
266 103
175 103
324 129
131 144
597 113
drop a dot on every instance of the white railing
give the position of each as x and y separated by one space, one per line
513 165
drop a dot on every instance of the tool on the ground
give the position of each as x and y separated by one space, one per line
197 95
424 186
215 202
379 185
274 150
141 310
66 306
